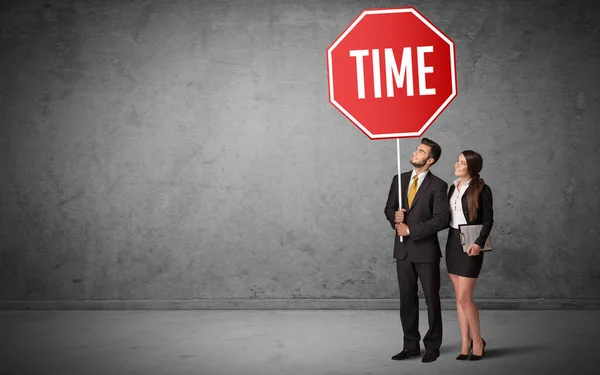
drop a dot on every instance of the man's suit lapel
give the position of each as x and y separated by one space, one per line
424 186
405 179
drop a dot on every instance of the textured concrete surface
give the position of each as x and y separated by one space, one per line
285 342
184 150
297 304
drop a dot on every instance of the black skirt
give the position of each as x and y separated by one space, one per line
457 261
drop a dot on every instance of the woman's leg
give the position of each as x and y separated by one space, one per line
466 287
462 318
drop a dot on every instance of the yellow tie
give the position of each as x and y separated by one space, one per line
412 191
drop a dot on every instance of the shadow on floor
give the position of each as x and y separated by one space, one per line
513 350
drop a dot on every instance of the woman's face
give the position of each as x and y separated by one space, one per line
460 167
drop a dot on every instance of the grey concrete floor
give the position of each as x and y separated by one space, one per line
266 342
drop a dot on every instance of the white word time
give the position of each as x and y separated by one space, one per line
393 77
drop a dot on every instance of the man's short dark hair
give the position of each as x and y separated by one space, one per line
436 150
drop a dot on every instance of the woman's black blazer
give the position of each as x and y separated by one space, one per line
485 213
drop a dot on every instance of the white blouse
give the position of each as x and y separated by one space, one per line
457 217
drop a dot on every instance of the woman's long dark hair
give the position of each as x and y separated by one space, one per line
474 165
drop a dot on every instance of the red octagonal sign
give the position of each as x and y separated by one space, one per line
392 73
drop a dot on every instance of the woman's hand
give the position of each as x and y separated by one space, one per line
474 250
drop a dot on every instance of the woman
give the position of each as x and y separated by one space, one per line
470 203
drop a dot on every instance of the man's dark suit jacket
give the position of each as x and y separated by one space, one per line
428 215
485 212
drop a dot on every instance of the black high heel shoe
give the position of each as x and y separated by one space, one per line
462 357
478 357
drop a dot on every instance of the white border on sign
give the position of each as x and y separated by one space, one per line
355 121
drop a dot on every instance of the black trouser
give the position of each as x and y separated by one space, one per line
429 275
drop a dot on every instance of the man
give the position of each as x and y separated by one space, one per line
424 213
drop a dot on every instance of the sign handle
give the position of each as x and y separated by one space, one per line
399 180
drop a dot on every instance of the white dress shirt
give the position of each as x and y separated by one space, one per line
457 217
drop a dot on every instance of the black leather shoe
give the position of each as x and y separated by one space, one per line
430 357
462 357
406 353
478 357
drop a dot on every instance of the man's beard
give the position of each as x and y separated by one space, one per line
417 164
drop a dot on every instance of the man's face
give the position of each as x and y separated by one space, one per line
420 156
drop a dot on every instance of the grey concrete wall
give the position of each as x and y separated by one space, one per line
177 150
